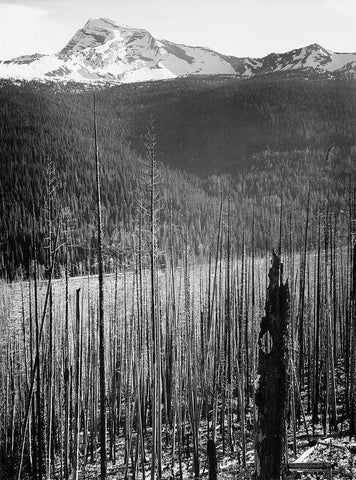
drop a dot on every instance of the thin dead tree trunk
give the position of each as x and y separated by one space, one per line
66 369
353 345
77 389
101 312
153 190
38 357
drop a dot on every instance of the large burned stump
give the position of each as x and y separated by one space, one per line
271 381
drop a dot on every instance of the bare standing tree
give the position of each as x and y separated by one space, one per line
353 345
155 316
101 311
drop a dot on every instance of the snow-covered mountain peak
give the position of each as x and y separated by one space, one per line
95 33
104 51
314 47
94 23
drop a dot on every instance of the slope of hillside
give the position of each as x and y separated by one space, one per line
264 138
214 125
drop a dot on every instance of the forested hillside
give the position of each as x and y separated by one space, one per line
213 125
257 141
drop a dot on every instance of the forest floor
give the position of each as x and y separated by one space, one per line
335 450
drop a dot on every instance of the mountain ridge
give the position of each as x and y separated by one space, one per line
104 51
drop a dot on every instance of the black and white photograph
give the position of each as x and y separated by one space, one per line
178 239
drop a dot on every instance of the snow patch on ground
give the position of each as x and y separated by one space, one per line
28 71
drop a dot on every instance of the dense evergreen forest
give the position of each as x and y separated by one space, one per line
258 142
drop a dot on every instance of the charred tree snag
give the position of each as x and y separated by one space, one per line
271 382
211 452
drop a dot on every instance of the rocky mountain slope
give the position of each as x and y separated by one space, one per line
103 51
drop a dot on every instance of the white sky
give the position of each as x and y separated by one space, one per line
235 27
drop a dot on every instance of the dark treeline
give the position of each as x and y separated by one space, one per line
265 140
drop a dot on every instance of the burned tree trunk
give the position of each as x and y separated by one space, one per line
211 452
353 345
271 382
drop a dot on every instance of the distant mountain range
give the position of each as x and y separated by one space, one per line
103 51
